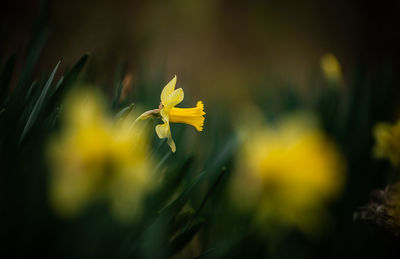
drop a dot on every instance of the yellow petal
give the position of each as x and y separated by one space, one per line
164 115
163 131
173 99
168 90
171 144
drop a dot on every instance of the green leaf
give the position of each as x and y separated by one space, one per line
59 83
179 202
166 214
69 79
30 91
172 180
38 105
207 196
125 111
183 239
181 220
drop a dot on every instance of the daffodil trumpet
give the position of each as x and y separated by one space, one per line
170 97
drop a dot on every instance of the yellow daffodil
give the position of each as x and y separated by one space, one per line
170 97
286 173
331 68
387 139
96 157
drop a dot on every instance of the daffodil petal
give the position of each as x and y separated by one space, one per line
164 115
163 131
171 144
168 90
173 99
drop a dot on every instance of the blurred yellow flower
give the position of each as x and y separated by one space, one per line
286 173
170 97
331 68
96 157
387 138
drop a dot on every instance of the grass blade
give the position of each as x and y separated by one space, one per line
69 79
38 105
183 239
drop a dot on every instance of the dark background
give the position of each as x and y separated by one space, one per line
224 44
